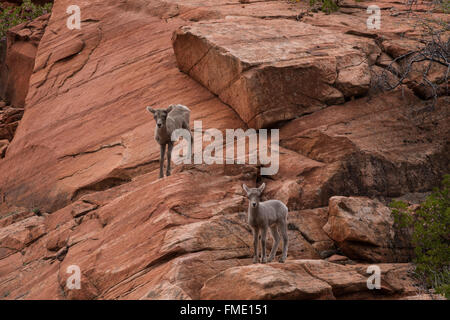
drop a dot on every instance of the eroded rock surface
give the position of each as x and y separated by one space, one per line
21 47
385 146
364 230
306 279
85 156
305 67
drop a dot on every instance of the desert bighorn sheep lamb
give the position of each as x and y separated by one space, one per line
268 214
176 116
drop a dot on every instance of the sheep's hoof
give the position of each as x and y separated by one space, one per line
270 259
255 260
282 260
264 260
168 174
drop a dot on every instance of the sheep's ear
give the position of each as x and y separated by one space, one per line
244 186
169 108
151 110
261 187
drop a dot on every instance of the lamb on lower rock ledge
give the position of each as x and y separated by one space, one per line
263 215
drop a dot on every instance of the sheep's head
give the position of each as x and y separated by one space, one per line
254 194
160 115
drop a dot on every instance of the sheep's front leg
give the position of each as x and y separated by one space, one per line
161 160
263 245
169 157
255 245
276 242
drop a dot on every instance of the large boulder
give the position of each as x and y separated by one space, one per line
16 236
286 68
364 230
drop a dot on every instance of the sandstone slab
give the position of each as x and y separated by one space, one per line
364 229
286 68
259 282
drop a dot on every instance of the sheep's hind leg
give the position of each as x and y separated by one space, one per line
169 157
276 242
284 234
263 245
255 245
161 160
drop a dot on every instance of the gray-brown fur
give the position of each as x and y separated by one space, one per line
263 215
176 116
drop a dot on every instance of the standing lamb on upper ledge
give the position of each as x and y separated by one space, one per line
268 214
176 116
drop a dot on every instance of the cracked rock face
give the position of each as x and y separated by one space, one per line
304 279
22 44
285 69
364 230
84 154
388 145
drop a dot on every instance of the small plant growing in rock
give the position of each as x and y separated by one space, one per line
11 16
327 6
418 64
431 236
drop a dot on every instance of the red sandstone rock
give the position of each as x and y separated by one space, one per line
364 229
379 146
305 67
22 43
3 146
310 225
272 281
17 236
87 156
335 258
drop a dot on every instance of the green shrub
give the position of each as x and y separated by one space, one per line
11 16
327 6
431 236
